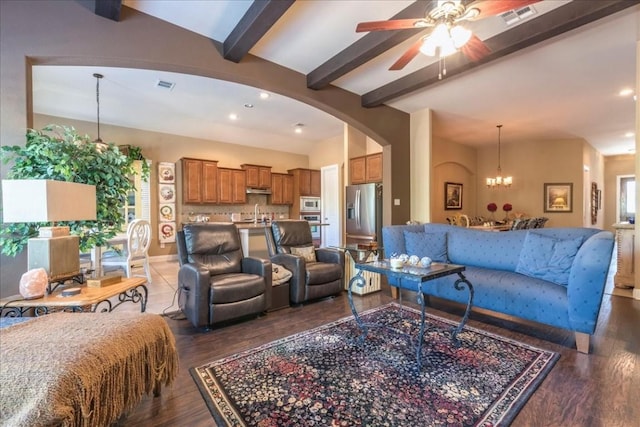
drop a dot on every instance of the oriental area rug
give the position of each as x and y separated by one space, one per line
327 377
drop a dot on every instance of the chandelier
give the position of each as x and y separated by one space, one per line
447 36
499 180
98 77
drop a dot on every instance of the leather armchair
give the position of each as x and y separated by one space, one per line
216 281
310 280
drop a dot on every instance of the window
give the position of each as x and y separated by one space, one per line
138 203
626 197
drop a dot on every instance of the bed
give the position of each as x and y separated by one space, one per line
82 369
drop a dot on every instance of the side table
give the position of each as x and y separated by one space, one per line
95 299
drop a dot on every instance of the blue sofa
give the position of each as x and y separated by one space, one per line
554 276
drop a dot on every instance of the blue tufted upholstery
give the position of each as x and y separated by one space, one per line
491 260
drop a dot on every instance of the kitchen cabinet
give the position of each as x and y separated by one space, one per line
232 186
258 176
366 169
306 182
281 189
314 186
357 173
199 181
373 170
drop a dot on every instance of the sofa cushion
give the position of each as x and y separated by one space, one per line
548 258
433 245
307 252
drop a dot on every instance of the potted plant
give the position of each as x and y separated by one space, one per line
60 153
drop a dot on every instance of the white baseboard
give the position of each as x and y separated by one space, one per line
163 258
636 293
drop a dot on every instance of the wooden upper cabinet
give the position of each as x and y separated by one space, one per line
365 169
281 189
287 190
314 183
305 182
257 176
209 182
357 170
232 186
373 170
199 181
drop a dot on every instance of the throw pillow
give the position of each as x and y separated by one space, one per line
548 258
308 252
433 245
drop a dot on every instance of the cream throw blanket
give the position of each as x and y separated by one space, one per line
82 369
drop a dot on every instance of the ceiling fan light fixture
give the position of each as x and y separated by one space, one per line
460 36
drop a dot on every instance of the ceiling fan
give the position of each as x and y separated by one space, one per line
448 35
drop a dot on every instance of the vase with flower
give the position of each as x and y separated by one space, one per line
492 207
507 208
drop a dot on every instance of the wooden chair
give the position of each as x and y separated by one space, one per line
137 250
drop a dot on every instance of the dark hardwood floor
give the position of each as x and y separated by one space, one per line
599 389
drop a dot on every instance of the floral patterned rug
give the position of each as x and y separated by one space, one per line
327 377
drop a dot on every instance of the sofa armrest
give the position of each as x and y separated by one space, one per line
298 268
333 256
193 283
587 281
261 267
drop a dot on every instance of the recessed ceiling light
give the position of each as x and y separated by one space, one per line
247 105
264 95
233 116
298 127
629 135
626 92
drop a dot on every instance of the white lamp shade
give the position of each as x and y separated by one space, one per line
44 200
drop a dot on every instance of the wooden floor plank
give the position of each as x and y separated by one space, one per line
600 389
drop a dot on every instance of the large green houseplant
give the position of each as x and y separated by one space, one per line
60 153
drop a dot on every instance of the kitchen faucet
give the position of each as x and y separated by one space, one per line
255 214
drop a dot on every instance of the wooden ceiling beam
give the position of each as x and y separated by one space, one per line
367 48
109 9
258 19
553 23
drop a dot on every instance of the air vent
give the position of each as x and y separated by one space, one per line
165 84
517 15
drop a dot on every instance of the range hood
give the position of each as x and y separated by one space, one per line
258 190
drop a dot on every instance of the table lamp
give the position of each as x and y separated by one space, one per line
43 200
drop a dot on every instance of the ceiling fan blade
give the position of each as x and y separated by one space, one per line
407 56
393 24
495 7
475 49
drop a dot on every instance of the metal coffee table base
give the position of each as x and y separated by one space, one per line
460 283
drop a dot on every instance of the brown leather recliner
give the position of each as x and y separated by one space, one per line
311 279
216 281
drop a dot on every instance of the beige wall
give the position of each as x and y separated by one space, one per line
452 162
532 164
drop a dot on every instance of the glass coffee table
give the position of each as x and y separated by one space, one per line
414 278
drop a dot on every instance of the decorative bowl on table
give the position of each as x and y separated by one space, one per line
425 261
396 262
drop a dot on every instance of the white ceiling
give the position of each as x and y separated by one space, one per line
566 87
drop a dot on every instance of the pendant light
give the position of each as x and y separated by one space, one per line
98 76
499 180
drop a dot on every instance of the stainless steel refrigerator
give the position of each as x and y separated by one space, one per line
364 213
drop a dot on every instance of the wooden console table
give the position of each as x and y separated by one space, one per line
89 299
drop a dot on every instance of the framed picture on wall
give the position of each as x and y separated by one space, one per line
452 195
558 197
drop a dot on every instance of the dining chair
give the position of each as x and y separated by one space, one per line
136 251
